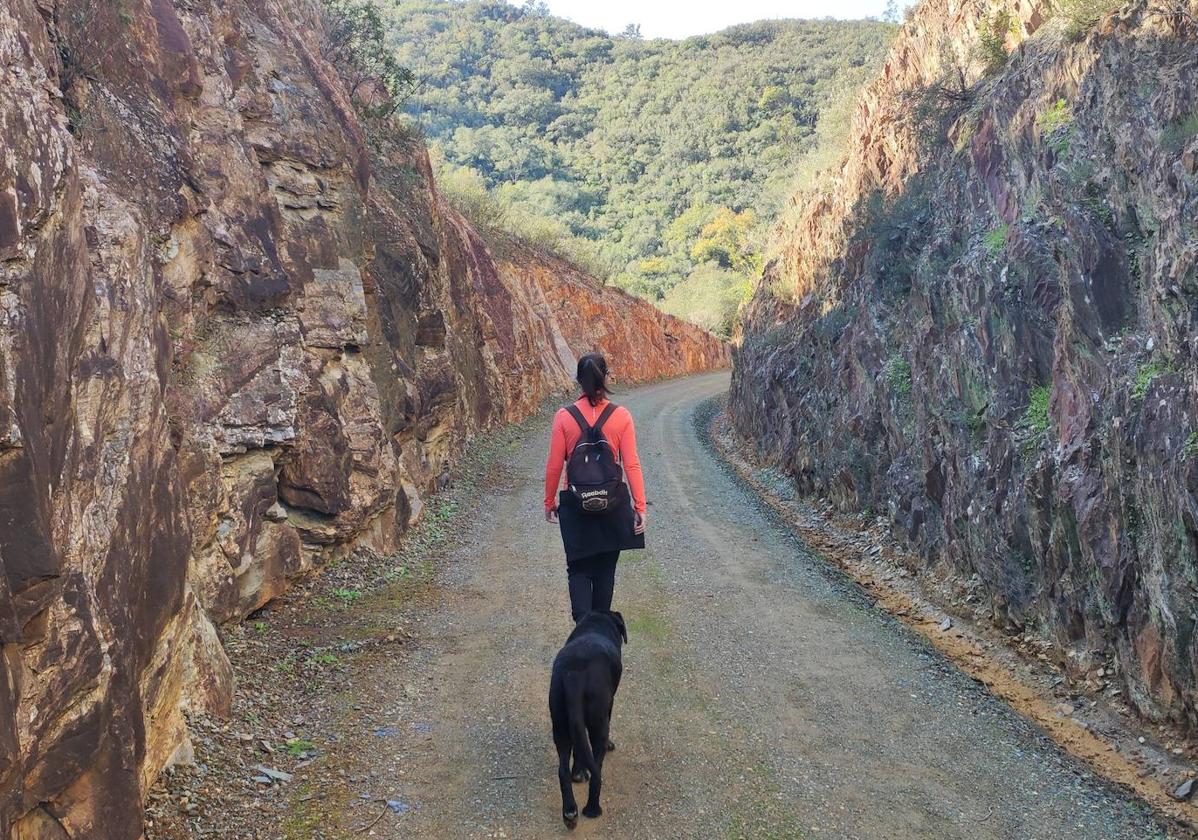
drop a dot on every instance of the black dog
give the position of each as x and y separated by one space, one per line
586 674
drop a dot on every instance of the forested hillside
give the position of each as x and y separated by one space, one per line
653 163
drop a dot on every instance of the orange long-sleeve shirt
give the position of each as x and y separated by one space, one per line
620 434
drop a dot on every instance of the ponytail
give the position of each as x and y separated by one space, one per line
592 377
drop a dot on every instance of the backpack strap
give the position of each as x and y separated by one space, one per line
582 422
607 412
578 418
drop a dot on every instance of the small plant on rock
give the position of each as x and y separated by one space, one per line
86 36
1189 449
898 374
1035 417
1146 373
1178 134
991 48
396 573
297 747
1056 126
996 239
1080 16
933 108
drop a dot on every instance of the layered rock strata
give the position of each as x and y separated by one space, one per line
986 330
239 334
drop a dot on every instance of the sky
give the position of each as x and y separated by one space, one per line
681 19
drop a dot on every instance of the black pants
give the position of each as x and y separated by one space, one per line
592 582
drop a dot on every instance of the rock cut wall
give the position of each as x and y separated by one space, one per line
239 333
987 330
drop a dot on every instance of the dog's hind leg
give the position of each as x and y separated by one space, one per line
569 804
583 759
580 773
598 749
610 747
617 672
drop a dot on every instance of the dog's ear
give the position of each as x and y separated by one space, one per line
619 620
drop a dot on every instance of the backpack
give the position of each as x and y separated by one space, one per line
592 472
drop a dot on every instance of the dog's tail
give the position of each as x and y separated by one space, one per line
575 684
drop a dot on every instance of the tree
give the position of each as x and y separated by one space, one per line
991 48
355 43
627 146
726 240
774 99
632 30
710 297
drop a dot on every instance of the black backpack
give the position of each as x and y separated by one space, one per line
592 473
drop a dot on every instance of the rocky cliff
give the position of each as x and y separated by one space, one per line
987 329
239 334
644 345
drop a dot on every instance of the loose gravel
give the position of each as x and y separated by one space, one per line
765 696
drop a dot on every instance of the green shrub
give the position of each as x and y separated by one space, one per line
1080 16
728 240
1146 373
1094 199
1056 126
1057 116
1035 416
710 297
1190 448
898 374
467 192
498 217
991 48
996 239
355 42
975 421
1176 135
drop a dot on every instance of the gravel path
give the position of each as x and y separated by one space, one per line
763 696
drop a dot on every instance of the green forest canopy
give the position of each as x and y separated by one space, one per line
655 164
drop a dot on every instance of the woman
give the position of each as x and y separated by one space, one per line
593 540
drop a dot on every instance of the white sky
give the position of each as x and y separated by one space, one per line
680 19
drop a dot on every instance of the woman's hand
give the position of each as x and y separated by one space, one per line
551 515
638 524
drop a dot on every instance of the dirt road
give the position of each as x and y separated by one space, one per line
763 696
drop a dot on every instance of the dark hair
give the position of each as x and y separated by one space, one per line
592 377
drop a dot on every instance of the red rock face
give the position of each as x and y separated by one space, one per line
640 342
990 337
235 340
